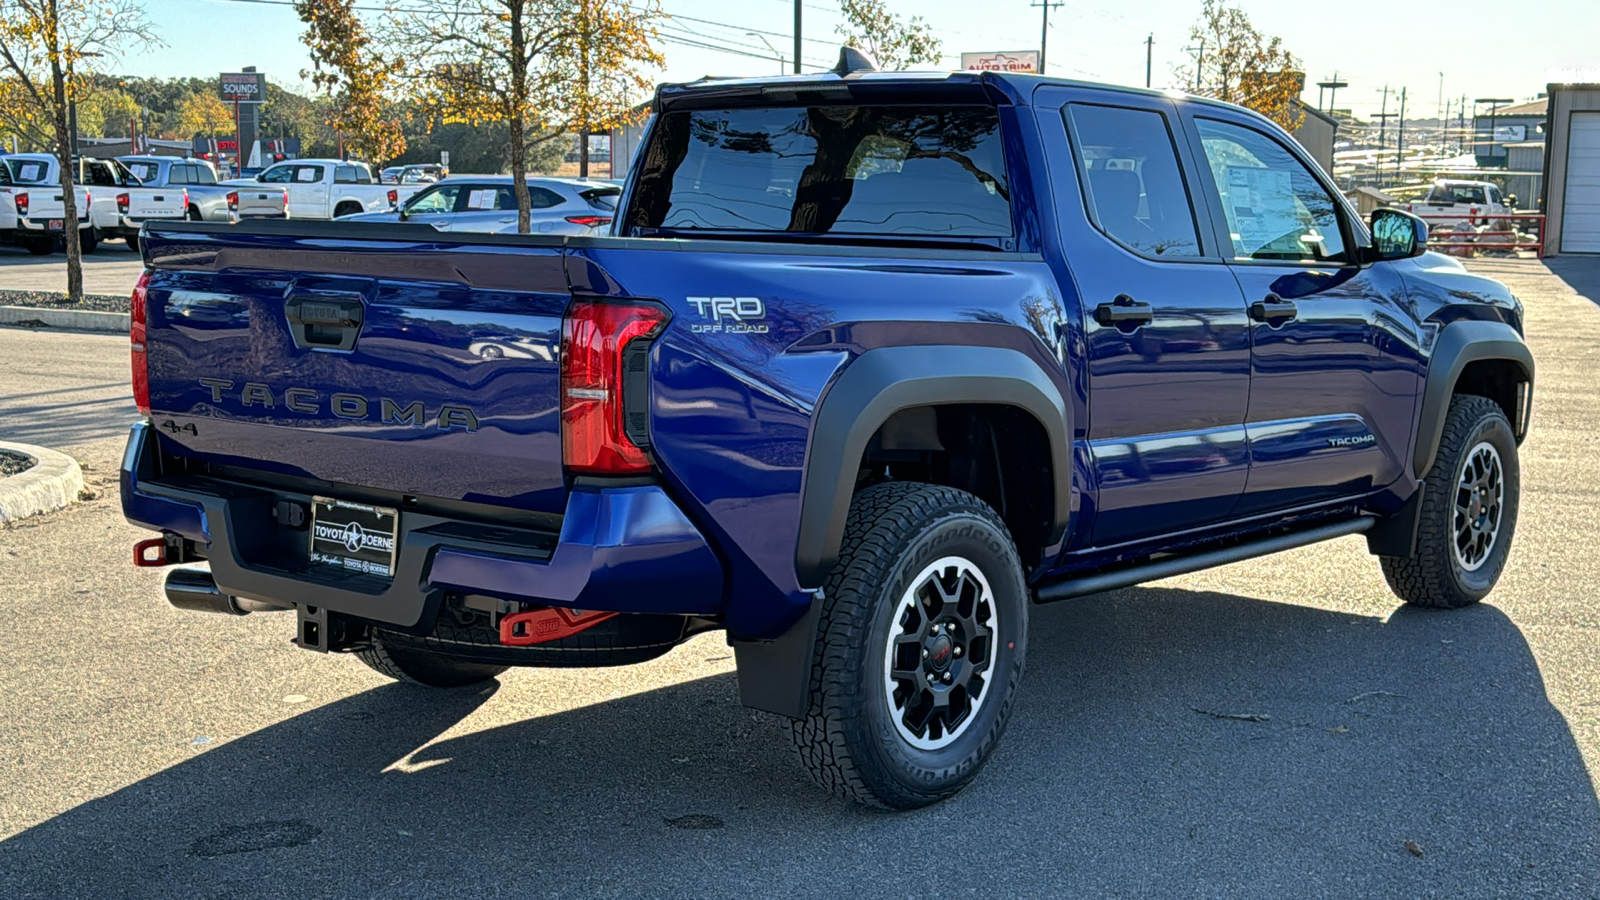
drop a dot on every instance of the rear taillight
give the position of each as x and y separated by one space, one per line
123 202
604 348
136 336
394 196
233 201
589 221
22 203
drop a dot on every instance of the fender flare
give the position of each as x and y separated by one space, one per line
884 381
1461 343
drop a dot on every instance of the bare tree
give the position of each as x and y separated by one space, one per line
894 42
48 48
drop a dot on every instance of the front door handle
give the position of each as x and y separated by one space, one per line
1123 311
1273 310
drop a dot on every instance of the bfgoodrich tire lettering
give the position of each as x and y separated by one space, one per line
1469 511
853 739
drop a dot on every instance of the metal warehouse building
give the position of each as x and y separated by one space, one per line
1572 169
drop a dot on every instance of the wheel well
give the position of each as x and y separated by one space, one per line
347 207
1502 381
961 446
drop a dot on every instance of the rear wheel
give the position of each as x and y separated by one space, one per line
346 209
919 651
133 242
88 239
403 661
1469 511
193 214
40 246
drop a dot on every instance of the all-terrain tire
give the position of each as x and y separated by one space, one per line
1436 574
133 242
416 666
88 239
852 739
40 246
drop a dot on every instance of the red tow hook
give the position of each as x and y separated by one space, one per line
537 626
142 556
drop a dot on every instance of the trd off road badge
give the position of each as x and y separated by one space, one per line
729 315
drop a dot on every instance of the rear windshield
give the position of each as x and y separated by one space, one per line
869 170
27 171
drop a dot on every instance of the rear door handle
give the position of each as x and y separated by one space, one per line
1123 311
1273 309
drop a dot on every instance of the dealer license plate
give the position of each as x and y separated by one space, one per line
353 536
55 225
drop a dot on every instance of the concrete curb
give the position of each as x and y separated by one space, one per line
51 485
74 319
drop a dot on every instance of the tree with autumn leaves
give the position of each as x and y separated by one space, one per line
1234 62
355 75
544 68
48 51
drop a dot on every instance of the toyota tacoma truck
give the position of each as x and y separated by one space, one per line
208 200
870 364
327 188
32 207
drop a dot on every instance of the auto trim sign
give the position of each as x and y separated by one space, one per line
242 87
1014 61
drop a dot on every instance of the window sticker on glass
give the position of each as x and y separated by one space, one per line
30 172
483 199
1260 199
306 174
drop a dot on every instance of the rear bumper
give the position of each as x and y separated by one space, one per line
627 549
41 227
127 226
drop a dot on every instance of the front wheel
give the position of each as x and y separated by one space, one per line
1469 511
919 651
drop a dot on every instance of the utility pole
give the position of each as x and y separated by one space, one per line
1199 62
1044 29
1400 141
797 37
1494 107
1383 131
1149 49
1332 87
1440 111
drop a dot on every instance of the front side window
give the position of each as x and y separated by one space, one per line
277 175
1132 182
1276 209
147 172
433 200
850 170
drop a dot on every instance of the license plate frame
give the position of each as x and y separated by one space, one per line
354 537
56 224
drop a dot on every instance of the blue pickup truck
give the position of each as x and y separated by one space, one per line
870 364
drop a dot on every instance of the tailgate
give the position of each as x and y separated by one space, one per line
392 363
261 201
155 203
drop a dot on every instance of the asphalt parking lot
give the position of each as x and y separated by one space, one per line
1271 729
111 270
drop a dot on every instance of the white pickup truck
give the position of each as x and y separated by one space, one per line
32 214
1451 204
329 188
122 203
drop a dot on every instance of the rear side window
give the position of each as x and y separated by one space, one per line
1132 182
201 175
147 171
868 170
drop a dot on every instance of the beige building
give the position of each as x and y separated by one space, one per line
1572 170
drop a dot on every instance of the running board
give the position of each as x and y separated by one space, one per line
1182 565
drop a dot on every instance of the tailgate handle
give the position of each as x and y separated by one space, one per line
324 321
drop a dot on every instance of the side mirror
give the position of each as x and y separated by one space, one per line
1397 234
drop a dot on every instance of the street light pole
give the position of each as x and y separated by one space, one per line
782 64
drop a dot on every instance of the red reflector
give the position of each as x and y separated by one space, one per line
594 336
589 221
151 553
541 625
136 338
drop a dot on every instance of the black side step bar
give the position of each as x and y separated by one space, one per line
1180 565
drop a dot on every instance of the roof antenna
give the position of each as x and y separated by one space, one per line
852 61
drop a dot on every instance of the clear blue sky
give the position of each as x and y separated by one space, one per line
1369 43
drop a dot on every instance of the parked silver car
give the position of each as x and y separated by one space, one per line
486 204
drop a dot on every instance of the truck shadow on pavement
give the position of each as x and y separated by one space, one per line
1581 273
1166 743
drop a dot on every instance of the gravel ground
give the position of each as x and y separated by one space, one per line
56 300
12 463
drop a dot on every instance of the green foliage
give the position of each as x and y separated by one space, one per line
896 43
